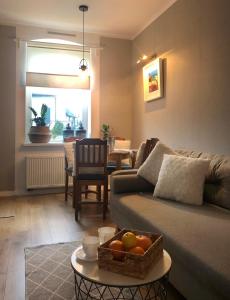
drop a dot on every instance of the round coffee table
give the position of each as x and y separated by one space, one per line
94 283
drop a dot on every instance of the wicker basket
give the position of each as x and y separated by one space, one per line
131 264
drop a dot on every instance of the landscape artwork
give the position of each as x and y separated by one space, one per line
152 79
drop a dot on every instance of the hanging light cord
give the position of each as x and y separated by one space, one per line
83 35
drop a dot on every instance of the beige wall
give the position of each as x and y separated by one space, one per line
115 86
194 39
7 108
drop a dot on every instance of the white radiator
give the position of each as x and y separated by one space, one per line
45 171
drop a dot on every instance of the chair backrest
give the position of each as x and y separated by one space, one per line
150 144
122 144
90 156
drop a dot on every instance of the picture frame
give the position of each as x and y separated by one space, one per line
153 80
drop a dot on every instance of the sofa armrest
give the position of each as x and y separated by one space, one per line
129 183
124 172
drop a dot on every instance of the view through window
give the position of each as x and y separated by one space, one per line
68 109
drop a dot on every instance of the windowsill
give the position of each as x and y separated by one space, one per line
42 144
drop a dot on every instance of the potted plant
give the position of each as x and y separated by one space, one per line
57 130
106 135
105 129
41 132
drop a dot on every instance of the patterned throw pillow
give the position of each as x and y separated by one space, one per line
182 179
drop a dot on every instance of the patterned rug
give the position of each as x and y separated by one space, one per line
49 274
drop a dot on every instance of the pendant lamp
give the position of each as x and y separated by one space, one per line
83 63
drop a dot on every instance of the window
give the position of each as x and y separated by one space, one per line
51 78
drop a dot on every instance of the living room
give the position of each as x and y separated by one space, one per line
192 39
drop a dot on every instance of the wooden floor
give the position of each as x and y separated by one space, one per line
39 220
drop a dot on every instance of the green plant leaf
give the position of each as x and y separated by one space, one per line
57 129
44 110
40 121
33 111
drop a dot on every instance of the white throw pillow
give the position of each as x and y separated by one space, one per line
150 169
69 153
140 155
182 179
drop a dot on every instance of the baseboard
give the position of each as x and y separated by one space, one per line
7 193
19 193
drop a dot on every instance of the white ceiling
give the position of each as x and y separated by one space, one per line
117 18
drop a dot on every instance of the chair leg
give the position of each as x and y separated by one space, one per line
77 199
74 193
105 198
98 192
66 185
86 191
80 196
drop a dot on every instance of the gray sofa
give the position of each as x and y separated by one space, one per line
197 237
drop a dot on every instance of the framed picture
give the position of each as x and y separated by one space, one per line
153 80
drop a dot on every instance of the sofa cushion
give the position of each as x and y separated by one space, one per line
184 228
217 188
150 169
182 179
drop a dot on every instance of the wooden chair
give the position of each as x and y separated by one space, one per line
150 144
125 159
90 169
69 144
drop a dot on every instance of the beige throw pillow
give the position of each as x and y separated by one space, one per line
150 169
140 155
182 179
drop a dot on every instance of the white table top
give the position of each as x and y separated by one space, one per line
91 271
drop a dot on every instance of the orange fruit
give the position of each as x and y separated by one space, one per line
143 241
137 250
116 246
129 240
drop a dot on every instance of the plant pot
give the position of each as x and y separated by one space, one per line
39 134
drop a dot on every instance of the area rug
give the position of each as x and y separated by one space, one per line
49 274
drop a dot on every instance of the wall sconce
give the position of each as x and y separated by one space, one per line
145 58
